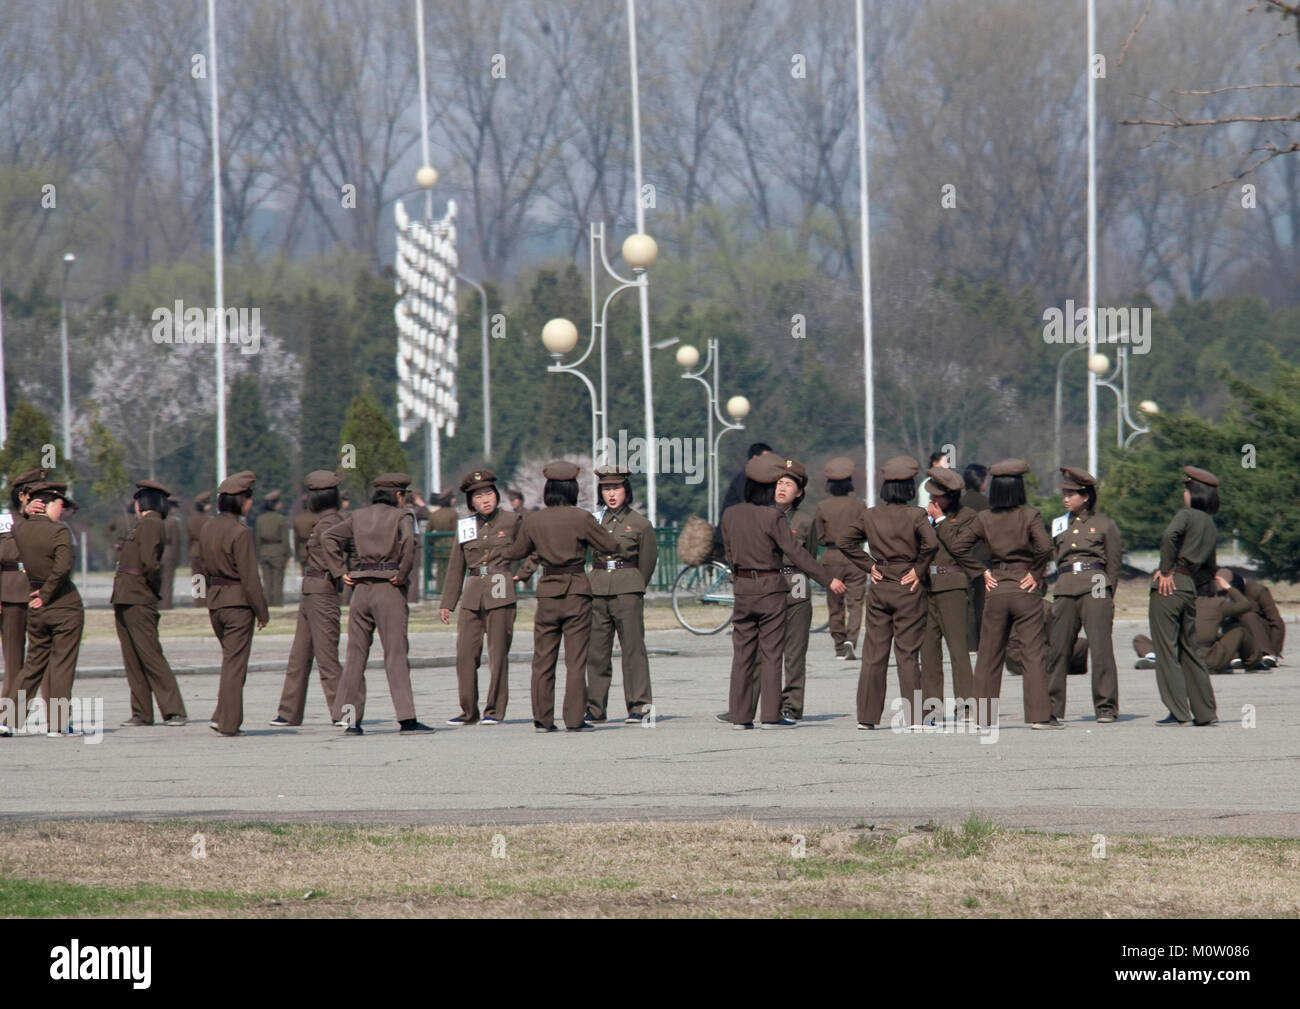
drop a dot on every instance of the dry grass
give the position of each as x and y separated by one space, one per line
730 869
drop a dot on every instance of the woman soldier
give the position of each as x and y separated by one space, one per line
947 594
1018 551
1087 550
618 584
488 603
798 601
55 615
901 544
137 592
756 536
560 534
838 519
234 594
1187 562
15 593
316 635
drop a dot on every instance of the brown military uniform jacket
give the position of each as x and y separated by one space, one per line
316 577
442 520
946 572
303 523
272 530
375 543
758 538
1213 612
977 501
119 528
483 590
900 536
636 544
194 530
1086 539
171 542
841 522
1189 542
14 587
1014 536
560 536
802 529
1262 599
46 551
226 546
139 564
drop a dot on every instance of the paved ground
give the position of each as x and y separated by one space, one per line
1129 776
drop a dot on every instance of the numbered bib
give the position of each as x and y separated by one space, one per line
466 530
6 522
1060 524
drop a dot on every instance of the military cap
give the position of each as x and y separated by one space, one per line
795 469
839 468
1201 475
1076 479
612 476
560 470
393 481
238 483
943 480
765 468
320 479
901 467
152 485
31 476
52 487
477 480
1009 467
272 497
203 498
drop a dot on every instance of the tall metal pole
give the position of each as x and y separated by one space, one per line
865 239
432 437
4 406
651 506
218 250
68 260
1092 238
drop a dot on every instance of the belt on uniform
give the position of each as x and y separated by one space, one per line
220 580
564 569
789 569
1076 566
129 571
491 569
888 568
754 572
612 565
10 566
310 572
1182 569
35 583
944 569
1010 566
383 566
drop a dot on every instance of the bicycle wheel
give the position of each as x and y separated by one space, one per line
703 597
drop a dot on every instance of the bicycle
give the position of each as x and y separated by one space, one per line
704 595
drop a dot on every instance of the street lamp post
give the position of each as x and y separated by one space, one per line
1097 366
639 252
487 377
68 260
738 406
560 336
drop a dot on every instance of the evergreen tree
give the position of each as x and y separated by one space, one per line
250 442
370 444
328 381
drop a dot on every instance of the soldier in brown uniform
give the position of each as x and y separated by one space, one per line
947 606
441 517
560 535
840 512
1087 550
194 530
316 634
976 479
302 526
419 520
234 595
15 593
119 528
1262 621
1223 642
756 538
55 615
171 552
798 601
1018 550
272 530
487 600
137 590
1187 562
901 544
618 581
373 550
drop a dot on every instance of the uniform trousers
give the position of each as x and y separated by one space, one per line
1007 612
566 618
624 614
53 644
315 636
845 611
946 621
758 645
893 615
148 673
1096 615
233 626
798 628
499 626
1181 674
376 605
